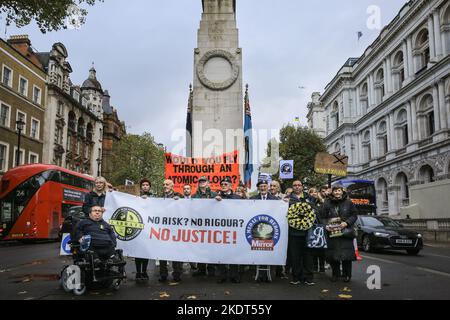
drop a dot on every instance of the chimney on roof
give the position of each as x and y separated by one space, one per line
20 42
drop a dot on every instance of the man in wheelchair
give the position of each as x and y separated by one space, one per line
102 237
93 247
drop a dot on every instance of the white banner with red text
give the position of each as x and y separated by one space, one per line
250 232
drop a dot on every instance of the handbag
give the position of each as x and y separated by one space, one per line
316 237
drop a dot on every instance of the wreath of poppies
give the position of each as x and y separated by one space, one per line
301 216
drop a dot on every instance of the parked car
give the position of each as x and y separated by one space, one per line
381 232
71 218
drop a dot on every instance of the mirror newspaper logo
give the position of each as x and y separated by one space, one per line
262 233
127 223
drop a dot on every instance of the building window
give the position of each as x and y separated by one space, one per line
363 98
366 145
20 116
23 86
402 181
379 86
425 116
401 128
59 81
5 115
33 158
426 174
382 139
21 156
398 71
76 96
421 50
35 128
7 78
37 95
60 111
4 157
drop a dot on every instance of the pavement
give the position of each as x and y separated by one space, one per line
31 272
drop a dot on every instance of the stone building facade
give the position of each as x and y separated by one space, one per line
389 111
22 97
113 131
74 121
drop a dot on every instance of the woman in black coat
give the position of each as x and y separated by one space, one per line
96 197
340 249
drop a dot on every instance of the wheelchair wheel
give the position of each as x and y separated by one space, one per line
81 291
63 280
116 284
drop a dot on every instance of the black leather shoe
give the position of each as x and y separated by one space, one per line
347 279
220 281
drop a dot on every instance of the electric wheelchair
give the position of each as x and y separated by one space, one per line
91 271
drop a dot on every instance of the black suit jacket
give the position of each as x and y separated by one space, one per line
269 197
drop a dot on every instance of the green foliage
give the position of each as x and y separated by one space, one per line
301 145
50 15
136 157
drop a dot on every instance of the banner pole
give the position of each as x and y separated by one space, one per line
329 180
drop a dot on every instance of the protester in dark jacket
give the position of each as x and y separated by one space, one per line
341 249
228 271
96 197
142 264
263 194
103 238
319 256
204 192
300 257
168 193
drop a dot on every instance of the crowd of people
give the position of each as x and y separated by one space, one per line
326 204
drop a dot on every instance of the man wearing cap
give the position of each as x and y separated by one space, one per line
204 192
264 194
232 270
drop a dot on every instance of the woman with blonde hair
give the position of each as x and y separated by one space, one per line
96 197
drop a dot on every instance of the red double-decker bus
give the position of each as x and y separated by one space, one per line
35 198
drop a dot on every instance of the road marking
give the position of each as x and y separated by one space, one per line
437 255
440 273
379 259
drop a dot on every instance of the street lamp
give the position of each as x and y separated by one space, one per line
20 126
99 162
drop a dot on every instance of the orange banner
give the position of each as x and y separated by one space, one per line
182 170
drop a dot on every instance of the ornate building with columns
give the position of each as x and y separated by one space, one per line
389 111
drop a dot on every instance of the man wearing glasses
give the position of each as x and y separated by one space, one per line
228 271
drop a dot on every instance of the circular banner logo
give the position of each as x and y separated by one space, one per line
262 233
127 223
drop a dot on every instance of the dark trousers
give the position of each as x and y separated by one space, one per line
202 267
319 260
228 271
300 259
141 265
104 252
346 268
176 266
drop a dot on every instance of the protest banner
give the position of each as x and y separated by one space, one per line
198 230
331 164
182 170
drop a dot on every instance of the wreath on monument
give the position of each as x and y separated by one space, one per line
301 216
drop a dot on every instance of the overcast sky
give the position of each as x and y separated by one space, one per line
143 52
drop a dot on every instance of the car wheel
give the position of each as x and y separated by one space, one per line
366 244
413 252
